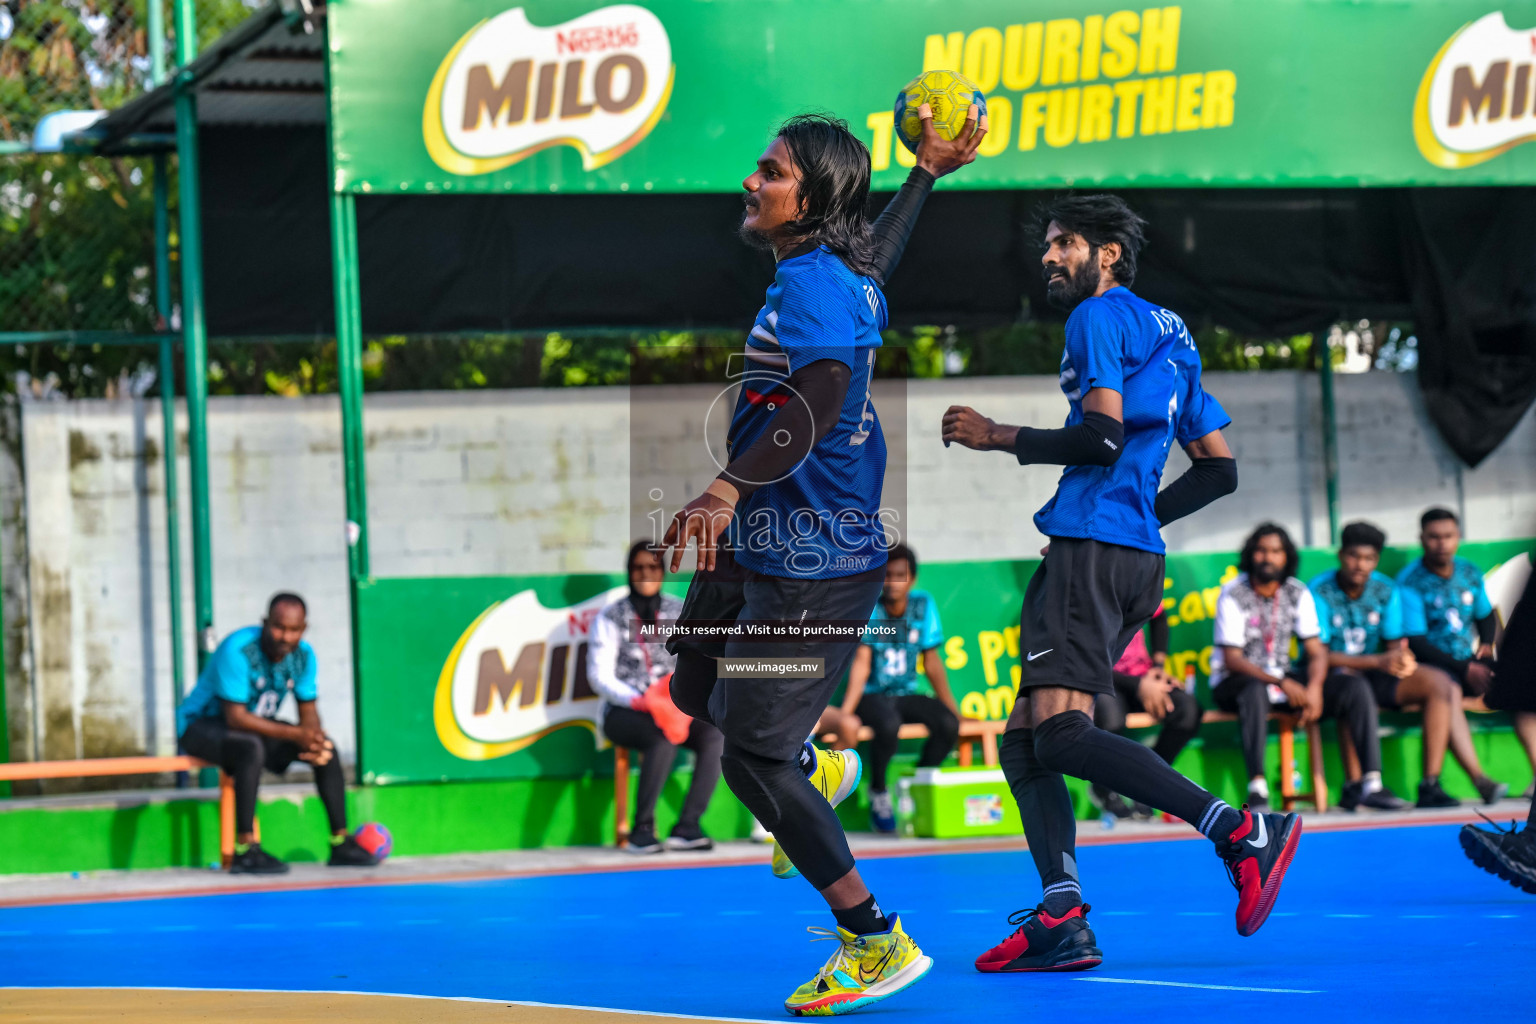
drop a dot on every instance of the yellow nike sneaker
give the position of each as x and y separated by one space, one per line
837 775
865 969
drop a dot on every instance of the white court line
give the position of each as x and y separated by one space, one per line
1348 915
1216 988
387 995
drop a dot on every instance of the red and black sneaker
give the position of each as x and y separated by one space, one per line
1257 854
1044 943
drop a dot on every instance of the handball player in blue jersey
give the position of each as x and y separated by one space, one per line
1131 376
790 534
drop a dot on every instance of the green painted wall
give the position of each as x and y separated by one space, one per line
459 817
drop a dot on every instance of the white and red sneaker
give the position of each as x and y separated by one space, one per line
1257 854
1044 943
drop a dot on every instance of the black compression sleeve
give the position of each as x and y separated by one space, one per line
1094 442
1202 483
1428 654
1159 631
1487 629
894 225
812 408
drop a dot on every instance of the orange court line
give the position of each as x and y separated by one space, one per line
1084 838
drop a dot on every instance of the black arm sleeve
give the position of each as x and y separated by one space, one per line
1487 629
1202 483
894 225
1428 654
1094 442
812 409
1159 633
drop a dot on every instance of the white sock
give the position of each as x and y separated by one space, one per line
1259 788
1370 782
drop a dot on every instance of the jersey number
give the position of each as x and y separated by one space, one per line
866 416
895 662
266 704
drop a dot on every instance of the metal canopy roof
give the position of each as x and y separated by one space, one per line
269 71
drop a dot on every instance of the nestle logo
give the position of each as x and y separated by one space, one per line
597 38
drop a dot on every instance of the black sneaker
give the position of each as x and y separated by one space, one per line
1508 853
349 853
1257 854
1383 799
1110 803
686 840
1349 798
1491 792
1143 811
1257 801
642 843
256 861
1432 795
1044 943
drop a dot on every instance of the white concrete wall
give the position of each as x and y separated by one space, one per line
522 482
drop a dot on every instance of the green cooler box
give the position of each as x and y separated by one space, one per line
955 802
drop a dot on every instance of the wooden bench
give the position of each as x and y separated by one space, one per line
1290 795
102 766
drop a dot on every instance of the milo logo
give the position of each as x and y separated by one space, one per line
1475 99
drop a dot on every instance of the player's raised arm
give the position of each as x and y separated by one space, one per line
1212 473
936 157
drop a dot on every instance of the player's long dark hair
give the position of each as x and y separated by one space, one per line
1099 219
834 187
1251 545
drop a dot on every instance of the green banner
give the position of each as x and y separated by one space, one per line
682 95
486 678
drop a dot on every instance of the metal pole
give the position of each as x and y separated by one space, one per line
345 279
167 365
194 329
1330 439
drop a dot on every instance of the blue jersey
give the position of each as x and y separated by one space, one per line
821 521
1358 625
240 672
893 661
1445 611
1126 344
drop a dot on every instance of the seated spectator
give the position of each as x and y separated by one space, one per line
1258 615
634 681
1451 629
230 719
1142 684
1361 612
883 686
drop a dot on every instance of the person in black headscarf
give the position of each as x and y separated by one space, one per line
634 679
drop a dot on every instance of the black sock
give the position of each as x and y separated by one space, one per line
1069 743
1046 809
864 919
1430 780
808 759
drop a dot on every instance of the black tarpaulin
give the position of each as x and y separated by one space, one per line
1459 262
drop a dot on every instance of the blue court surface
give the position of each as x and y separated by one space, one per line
1378 924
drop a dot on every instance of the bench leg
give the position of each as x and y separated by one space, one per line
226 820
964 752
620 796
989 749
1315 755
1288 794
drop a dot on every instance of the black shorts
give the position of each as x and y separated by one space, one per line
772 716
1081 609
1384 686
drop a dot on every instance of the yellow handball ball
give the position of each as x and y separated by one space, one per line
948 93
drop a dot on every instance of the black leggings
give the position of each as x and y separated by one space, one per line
1346 696
1179 726
639 731
885 716
242 755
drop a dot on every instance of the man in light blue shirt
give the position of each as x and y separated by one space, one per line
230 719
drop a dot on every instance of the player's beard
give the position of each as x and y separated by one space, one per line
751 236
1066 291
1263 572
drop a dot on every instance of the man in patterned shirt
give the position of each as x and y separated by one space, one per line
1450 622
1362 619
1258 615
230 719
883 684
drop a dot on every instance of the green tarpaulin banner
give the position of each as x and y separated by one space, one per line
681 95
486 677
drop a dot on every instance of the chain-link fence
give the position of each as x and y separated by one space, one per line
77 232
